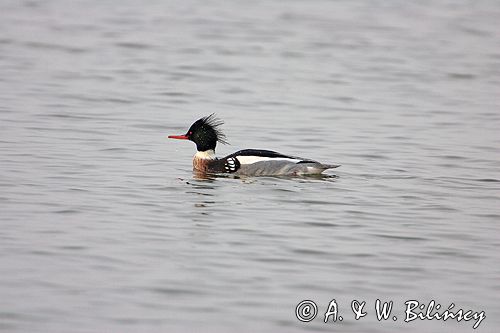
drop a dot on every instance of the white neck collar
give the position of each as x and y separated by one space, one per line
206 155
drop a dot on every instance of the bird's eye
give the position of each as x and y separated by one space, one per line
190 132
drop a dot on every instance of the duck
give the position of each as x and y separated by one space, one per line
206 133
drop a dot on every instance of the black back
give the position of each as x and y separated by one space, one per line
265 153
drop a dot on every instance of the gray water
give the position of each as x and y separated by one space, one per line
104 227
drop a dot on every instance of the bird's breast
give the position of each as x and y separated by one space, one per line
200 164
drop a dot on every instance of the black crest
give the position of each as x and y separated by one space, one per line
206 132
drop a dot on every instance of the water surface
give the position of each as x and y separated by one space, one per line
104 227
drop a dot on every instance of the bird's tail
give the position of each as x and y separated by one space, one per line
330 166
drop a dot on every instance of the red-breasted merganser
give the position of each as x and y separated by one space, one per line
205 133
